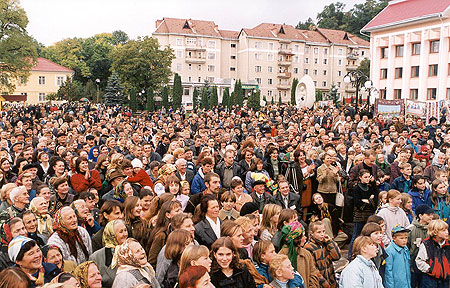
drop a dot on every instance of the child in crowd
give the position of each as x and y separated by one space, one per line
185 188
419 192
286 216
433 256
282 272
228 200
392 214
398 273
439 199
419 231
406 206
324 251
270 215
375 232
380 221
382 200
404 181
383 181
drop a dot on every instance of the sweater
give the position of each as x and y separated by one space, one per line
393 216
142 178
80 184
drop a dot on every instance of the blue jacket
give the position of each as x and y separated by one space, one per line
401 184
198 184
398 272
263 270
360 273
417 200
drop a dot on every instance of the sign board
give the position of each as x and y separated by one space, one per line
389 108
416 108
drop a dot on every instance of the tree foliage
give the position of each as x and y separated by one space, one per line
333 17
238 97
293 89
307 25
254 101
204 103
150 100
226 98
133 102
17 49
165 97
142 64
214 99
364 67
114 91
195 100
177 93
279 100
70 90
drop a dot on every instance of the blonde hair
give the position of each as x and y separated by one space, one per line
244 222
392 194
275 264
192 253
268 212
361 242
435 226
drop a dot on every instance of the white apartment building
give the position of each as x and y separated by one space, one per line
267 57
410 56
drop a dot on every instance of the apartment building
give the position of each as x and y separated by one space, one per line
267 57
409 46
45 77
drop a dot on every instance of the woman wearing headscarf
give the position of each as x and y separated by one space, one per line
39 206
54 255
133 268
115 234
165 172
73 240
8 230
88 275
122 191
93 154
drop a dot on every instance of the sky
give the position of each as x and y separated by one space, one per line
53 20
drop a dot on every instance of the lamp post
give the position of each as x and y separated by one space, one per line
333 94
97 81
358 79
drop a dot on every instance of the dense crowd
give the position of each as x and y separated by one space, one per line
95 196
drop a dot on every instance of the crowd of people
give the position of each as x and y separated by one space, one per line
95 196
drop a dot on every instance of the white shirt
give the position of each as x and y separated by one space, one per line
215 226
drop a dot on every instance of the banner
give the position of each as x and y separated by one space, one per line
389 108
416 108
433 110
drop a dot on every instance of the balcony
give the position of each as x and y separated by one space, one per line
193 60
284 74
285 62
195 48
351 67
353 56
283 86
285 51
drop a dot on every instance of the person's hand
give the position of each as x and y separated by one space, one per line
371 179
311 168
372 196
365 201
327 238
87 174
335 170
90 220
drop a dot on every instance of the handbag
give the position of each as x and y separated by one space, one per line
340 199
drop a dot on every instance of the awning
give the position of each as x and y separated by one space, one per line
14 98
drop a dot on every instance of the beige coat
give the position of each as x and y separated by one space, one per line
328 181
306 267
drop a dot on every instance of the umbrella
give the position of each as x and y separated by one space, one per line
84 100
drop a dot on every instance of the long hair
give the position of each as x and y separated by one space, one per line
176 243
227 243
128 207
162 223
204 207
434 195
269 211
192 253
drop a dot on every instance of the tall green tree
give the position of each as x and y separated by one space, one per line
226 98
133 102
165 97
150 100
361 14
114 91
141 63
254 101
307 25
204 98
195 100
293 89
333 16
272 101
90 90
17 49
279 100
214 99
177 92
364 67
238 98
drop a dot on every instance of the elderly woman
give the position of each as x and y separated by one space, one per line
73 240
54 256
115 234
85 218
165 172
12 228
88 275
133 268
39 206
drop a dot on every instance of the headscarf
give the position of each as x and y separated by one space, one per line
167 169
5 233
16 245
71 237
289 233
43 221
126 260
91 154
109 238
81 273
119 192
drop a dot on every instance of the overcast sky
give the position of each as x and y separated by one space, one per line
53 20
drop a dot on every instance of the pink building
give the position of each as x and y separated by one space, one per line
410 50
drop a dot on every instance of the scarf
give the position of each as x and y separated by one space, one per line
289 233
119 192
109 239
91 154
71 237
81 273
39 278
5 234
44 221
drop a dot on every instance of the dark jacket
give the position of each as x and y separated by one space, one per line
293 202
204 233
241 278
401 184
189 176
171 277
97 239
237 171
265 199
269 168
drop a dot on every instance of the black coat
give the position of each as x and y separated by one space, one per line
237 171
241 278
269 168
189 176
294 202
265 199
204 234
171 277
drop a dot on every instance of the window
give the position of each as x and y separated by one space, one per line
413 94
306 49
199 67
431 93
258 45
190 67
258 56
340 51
315 83
414 71
306 71
269 93
415 47
179 42
325 51
211 68
269 81
41 80
199 79
314 72
325 61
339 73
258 69
306 60
316 50
434 46
296 59
448 73
296 48
325 72
448 94
191 41
271 46
186 91
340 62
399 51
233 45
383 73
382 93
41 97
258 80
339 84
269 69
398 72
397 94
233 57
295 70
316 60
179 66
211 56
232 68
384 52
363 53
211 44
432 70
210 79
324 84
189 79
180 54
59 80
270 57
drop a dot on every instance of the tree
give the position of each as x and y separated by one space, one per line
90 90
238 98
165 97
333 17
254 101
133 102
214 99
204 98
364 67
70 90
361 14
226 98
195 100
114 91
142 64
177 93
150 100
293 89
279 100
51 96
307 25
17 49
119 38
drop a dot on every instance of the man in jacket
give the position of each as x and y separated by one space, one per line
259 194
228 169
287 199
182 173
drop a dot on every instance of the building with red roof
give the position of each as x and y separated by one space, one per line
409 46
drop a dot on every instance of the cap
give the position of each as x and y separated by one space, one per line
424 209
248 208
136 163
90 137
258 182
29 166
398 228
115 174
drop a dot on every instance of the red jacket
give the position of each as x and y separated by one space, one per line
142 178
80 184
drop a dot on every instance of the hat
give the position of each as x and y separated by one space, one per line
353 133
249 208
19 134
258 182
90 137
15 144
60 135
166 169
424 209
136 163
399 228
16 245
29 166
115 174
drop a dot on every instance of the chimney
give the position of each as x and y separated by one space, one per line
157 23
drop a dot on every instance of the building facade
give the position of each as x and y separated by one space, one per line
410 50
267 57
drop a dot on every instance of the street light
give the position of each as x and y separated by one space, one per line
97 81
358 79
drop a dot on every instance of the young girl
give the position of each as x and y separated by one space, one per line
382 200
286 216
392 214
419 192
173 186
375 232
228 200
406 206
270 216
439 199
185 188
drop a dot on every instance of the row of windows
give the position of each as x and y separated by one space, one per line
414 94
433 70
199 79
415 49
42 80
